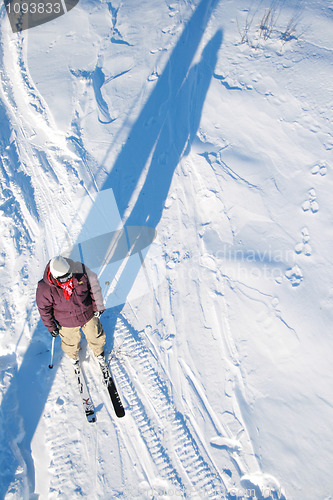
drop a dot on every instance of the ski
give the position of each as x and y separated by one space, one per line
87 403
112 390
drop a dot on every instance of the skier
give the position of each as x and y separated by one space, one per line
69 299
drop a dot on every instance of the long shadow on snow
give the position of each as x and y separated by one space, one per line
175 137
164 129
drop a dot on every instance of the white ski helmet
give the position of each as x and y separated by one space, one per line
59 266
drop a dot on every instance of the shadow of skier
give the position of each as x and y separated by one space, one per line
175 138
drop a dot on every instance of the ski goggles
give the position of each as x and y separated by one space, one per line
65 277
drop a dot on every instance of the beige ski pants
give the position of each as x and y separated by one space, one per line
71 337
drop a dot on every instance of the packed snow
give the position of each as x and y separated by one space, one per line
183 150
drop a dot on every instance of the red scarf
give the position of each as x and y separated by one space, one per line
67 286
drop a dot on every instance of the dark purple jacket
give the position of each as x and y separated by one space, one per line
79 309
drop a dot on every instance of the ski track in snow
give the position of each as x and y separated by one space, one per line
66 451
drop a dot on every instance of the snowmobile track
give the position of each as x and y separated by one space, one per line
177 452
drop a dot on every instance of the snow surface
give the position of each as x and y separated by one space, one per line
204 141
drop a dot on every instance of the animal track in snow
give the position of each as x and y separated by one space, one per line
153 76
294 275
304 246
311 203
319 168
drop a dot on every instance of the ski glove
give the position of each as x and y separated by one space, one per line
55 333
97 314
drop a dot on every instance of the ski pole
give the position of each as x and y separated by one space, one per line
52 352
